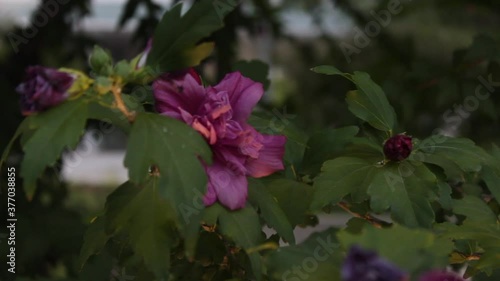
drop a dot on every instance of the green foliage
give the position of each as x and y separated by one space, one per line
342 176
422 249
325 145
406 195
293 198
317 258
459 151
175 38
144 217
63 126
443 200
270 210
369 102
243 228
173 148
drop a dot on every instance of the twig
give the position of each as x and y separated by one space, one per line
378 223
117 93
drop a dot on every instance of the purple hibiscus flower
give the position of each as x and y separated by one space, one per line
220 115
366 265
440 275
43 88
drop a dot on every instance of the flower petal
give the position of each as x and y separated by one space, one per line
43 88
178 90
270 157
230 187
243 94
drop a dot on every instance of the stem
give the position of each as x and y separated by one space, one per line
117 93
378 223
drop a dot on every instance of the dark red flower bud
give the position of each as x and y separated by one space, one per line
398 147
43 88
439 275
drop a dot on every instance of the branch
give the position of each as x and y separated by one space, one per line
378 223
117 93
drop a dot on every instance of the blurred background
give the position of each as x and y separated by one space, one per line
429 56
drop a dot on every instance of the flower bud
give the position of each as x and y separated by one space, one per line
398 148
43 88
100 61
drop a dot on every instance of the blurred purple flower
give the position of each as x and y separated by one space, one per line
220 115
43 88
398 147
440 275
366 265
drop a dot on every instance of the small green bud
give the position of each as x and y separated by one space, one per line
100 60
123 70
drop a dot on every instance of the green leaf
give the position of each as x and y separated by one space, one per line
293 197
475 209
444 195
270 209
255 69
211 214
486 234
317 258
460 151
243 227
342 176
110 116
329 70
148 220
59 128
370 104
405 192
491 177
176 36
95 239
417 249
450 168
174 148
23 127
326 145
366 149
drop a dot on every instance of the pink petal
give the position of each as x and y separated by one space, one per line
243 94
270 157
178 90
231 157
230 188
